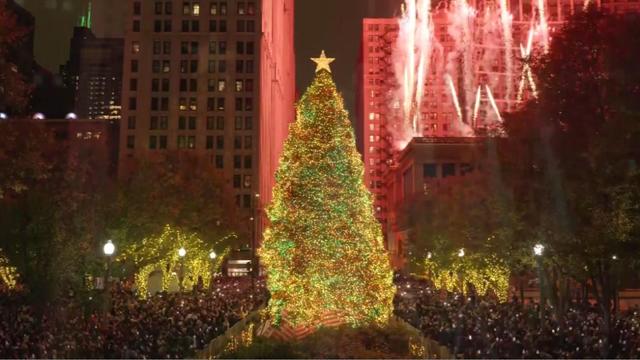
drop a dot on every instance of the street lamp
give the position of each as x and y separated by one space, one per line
212 255
429 255
108 249
461 252
538 250
181 253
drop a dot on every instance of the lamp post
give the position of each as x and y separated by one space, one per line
254 243
461 275
212 256
181 253
538 250
108 249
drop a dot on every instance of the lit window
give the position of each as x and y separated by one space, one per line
196 9
222 85
238 85
135 47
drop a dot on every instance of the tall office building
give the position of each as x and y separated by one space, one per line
449 72
93 74
194 75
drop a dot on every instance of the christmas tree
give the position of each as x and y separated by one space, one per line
323 250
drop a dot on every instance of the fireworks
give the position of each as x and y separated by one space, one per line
464 50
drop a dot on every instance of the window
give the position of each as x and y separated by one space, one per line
155 66
249 66
211 85
222 66
248 85
212 66
238 104
238 123
193 104
131 142
182 123
192 122
193 66
194 47
182 142
239 66
166 66
195 26
219 162
223 25
133 103
241 8
158 8
222 85
237 142
429 171
195 9
162 141
164 104
213 9
209 144
153 123
136 25
184 47
247 162
222 47
248 104
137 8
251 26
211 104
185 25
223 8
247 142
220 104
251 8
239 85
212 47
131 122
155 104
247 181
134 66
211 123
135 47
168 8
220 142
248 123
133 84
153 142
167 26
193 85
186 8
240 47
246 201
157 47
240 26
448 169
165 85
237 180
237 162
220 123
182 104
250 48
164 122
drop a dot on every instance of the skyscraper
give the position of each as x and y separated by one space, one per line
194 74
93 73
448 70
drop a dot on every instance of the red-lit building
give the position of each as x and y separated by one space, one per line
465 88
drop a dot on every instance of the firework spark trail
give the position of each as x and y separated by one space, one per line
476 106
527 75
461 18
506 21
424 36
493 103
454 96
543 26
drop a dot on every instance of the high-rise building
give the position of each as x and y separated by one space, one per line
448 72
93 73
195 81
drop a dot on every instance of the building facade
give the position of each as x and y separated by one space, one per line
194 74
93 74
474 73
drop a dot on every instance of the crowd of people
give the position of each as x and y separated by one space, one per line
166 325
484 328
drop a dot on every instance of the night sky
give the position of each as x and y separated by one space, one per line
332 25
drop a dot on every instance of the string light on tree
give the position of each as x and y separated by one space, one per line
323 250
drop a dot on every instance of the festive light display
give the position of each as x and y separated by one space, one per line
161 254
8 273
323 251
456 273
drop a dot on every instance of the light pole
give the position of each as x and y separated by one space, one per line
461 274
181 253
108 249
538 250
212 256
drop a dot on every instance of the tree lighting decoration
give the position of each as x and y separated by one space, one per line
455 273
323 250
165 253
8 273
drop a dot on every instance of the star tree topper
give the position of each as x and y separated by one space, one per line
322 63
